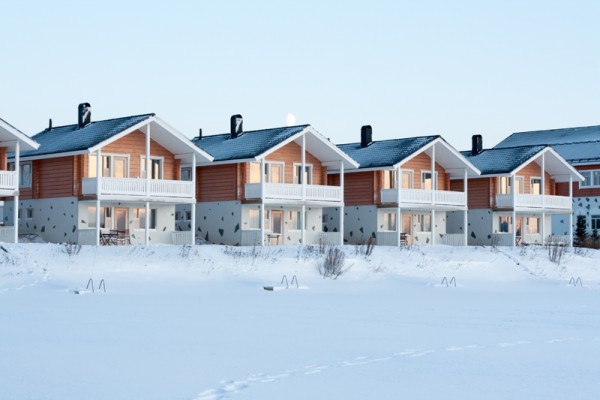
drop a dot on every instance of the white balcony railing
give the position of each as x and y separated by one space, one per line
451 239
86 236
7 234
533 201
182 237
139 187
8 180
420 196
286 191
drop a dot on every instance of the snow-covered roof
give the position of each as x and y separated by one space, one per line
9 134
577 145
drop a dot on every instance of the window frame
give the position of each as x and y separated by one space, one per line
594 173
153 218
11 167
110 157
152 158
595 222
296 179
389 222
531 184
421 222
434 179
268 173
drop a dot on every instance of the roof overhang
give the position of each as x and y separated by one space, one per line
319 146
165 135
9 136
448 157
554 164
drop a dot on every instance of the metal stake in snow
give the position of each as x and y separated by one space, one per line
448 283
574 281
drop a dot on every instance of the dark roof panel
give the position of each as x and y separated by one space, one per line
68 138
248 144
385 153
502 161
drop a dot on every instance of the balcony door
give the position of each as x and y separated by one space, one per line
276 221
121 218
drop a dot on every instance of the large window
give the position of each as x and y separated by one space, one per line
307 176
505 224
389 179
156 167
295 220
424 221
389 222
24 173
140 218
536 185
254 172
533 225
115 166
596 222
592 179
254 219
505 184
426 182
274 172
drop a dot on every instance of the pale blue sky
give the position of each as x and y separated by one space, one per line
408 68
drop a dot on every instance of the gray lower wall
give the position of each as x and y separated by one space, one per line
54 220
219 222
360 223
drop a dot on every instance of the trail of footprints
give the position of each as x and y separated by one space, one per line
231 387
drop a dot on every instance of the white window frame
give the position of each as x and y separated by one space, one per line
143 166
433 183
250 176
186 169
531 182
252 218
595 222
421 222
508 221
410 180
391 175
136 217
389 224
309 167
29 213
268 165
295 220
11 167
589 183
538 229
92 161
509 184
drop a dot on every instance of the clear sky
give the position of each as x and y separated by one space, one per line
408 68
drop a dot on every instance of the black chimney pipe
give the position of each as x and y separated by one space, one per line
49 124
366 135
200 134
84 114
476 144
236 125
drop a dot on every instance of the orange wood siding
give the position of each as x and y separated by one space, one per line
334 179
217 183
533 170
457 185
54 177
479 192
134 145
291 154
3 159
563 188
422 162
359 188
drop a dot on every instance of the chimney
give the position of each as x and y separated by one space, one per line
49 124
476 144
84 115
366 135
236 124
200 134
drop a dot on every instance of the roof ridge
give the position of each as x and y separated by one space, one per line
557 129
393 139
256 130
103 120
518 147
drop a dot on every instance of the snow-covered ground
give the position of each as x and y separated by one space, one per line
195 323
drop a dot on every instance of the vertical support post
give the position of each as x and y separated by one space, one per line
18 184
543 228
543 182
342 201
432 226
303 224
193 214
98 188
465 216
262 201
146 231
513 190
571 213
398 210
148 163
302 177
433 191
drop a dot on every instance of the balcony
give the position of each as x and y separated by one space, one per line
420 196
285 191
136 188
8 183
536 201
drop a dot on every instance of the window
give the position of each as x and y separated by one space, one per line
505 184
188 215
596 222
254 219
29 214
298 176
407 179
426 180
186 174
533 225
156 167
389 222
105 217
115 166
140 218
24 174
389 179
505 224
274 172
536 185
592 179
424 221
295 219
254 172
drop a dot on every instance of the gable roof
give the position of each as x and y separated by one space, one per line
70 138
576 145
510 160
9 134
248 144
502 161
385 153
257 144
